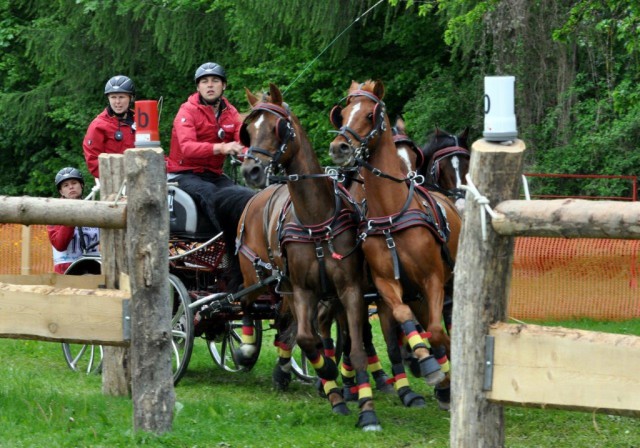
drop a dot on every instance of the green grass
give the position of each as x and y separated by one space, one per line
44 404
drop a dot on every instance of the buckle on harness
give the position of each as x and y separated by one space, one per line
319 252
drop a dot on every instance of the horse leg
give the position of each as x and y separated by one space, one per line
391 291
391 333
440 340
305 307
281 374
383 383
352 300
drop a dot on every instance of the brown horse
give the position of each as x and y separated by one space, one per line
305 230
412 234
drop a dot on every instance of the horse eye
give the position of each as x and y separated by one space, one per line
370 116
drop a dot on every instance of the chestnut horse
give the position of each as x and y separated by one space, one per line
307 231
411 234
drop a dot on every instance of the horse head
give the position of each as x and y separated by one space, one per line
359 123
447 161
268 132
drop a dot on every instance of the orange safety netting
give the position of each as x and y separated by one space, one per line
40 254
556 278
552 278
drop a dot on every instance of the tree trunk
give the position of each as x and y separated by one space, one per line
481 290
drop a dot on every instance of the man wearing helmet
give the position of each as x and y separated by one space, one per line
70 243
206 130
113 130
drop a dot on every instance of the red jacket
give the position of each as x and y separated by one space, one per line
101 138
195 130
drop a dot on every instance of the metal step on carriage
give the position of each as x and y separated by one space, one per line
201 306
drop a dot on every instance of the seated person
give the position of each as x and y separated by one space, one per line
205 130
71 243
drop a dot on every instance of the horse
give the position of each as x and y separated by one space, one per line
306 230
411 233
447 162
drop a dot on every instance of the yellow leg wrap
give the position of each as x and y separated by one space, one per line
374 367
319 363
283 353
415 339
328 386
364 392
248 337
445 366
400 381
346 372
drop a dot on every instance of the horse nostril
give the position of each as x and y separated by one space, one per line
345 147
254 173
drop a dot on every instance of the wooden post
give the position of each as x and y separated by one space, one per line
148 240
481 287
116 372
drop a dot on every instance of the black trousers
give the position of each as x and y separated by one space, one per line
223 202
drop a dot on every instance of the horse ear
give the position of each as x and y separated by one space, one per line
400 126
276 95
464 134
378 88
250 97
438 132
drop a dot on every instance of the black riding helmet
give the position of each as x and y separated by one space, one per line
120 84
68 173
210 69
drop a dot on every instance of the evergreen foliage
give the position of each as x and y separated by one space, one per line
576 65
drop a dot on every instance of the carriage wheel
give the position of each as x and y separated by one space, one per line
222 348
301 365
83 358
182 327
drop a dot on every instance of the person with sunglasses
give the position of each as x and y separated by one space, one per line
205 131
113 130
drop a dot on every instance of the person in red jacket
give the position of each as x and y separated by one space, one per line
206 129
113 130
71 243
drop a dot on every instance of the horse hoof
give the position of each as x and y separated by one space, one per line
329 371
281 379
368 421
430 370
410 399
443 396
340 408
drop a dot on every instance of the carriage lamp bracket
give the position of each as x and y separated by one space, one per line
488 363
126 319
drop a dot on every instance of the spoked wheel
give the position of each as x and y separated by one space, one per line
182 327
83 358
301 366
224 345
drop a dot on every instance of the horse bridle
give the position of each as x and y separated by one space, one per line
379 125
284 132
439 156
361 153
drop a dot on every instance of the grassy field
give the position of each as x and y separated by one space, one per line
44 404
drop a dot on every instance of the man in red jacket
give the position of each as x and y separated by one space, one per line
206 130
113 130
71 243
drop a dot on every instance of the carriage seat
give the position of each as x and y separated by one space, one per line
186 220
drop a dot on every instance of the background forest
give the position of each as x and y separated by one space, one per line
576 64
